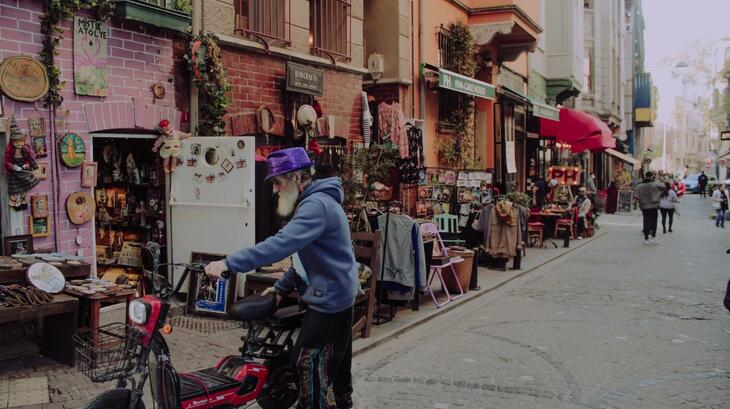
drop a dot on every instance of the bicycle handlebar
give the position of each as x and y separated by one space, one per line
194 267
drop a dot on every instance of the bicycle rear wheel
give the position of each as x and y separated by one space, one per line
113 399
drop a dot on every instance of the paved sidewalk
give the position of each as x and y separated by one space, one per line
193 349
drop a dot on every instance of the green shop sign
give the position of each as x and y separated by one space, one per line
304 79
544 111
470 86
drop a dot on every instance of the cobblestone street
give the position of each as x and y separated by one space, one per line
615 324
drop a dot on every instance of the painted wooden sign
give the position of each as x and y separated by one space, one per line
23 79
90 52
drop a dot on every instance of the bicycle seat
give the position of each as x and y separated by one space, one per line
254 307
287 316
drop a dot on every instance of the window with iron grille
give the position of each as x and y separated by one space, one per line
265 20
450 102
330 28
446 47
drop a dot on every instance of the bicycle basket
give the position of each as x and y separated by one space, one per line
107 352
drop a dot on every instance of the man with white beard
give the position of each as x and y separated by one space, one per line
319 234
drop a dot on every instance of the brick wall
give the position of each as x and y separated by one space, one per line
138 56
257 79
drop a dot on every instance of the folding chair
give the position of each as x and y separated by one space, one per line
437 269
448 225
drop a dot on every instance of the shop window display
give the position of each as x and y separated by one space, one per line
129 204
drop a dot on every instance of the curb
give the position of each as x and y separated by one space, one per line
481 293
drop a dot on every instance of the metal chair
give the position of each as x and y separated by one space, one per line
448 226
437 270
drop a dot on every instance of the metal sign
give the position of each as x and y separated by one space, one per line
465 85
304 79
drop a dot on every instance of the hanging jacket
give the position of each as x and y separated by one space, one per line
404 259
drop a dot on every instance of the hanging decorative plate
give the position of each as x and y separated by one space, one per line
72 150
23 79
46 277
80 207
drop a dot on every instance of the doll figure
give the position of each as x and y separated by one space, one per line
19 165
169 145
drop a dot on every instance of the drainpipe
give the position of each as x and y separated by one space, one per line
196 23
422 96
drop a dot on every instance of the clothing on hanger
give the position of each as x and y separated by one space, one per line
367 120
392 125
403 256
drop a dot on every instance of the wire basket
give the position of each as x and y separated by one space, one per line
107 352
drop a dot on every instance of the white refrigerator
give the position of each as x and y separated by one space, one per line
212 199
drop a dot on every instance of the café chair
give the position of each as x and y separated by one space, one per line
535 234
440 263
448 226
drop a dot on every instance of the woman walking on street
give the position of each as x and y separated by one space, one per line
719 203
667 202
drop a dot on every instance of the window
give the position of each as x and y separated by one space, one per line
449 103
330 28
588 71
265 20
588 4
446 47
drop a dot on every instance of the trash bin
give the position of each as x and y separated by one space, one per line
463 271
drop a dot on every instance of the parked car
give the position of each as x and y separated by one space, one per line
693 186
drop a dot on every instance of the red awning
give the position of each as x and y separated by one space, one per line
579 129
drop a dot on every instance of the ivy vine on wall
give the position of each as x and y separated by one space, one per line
57 11
457 149
210 77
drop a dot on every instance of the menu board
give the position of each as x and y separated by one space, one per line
625 198
436 191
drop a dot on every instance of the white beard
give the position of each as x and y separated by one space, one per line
287 201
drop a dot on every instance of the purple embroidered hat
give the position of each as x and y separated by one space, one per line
287 160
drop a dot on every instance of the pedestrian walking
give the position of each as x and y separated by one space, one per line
702 183
719 203
667 203
583 203
648 194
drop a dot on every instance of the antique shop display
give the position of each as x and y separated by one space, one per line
39 227
88 174
23 79
19 165
20 244
90 56
80 207
168 144
37 133
208 296
46 277
39 205
72 150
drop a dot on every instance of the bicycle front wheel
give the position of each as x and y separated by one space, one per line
113 399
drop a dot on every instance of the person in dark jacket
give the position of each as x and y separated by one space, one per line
702 183
318 235
648 194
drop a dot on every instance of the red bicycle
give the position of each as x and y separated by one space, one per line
133 354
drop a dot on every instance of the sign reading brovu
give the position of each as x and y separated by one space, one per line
460 83
304 79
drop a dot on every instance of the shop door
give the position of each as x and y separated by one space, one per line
212 197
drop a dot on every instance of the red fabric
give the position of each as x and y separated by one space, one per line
579 129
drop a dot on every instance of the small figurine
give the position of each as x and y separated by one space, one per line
169 145
19 165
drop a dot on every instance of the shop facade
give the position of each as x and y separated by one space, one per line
137 81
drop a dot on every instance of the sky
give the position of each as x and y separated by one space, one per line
671 25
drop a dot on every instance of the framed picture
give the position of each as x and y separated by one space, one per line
21 244
40 227
207 296
39 206
88 174
42 171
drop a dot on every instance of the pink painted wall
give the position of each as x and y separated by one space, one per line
138 56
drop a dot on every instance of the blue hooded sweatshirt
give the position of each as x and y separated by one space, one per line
320 234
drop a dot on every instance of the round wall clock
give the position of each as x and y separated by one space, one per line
72 150
23 79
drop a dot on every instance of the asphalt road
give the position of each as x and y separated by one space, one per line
616 324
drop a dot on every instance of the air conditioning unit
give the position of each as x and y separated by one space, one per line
376 66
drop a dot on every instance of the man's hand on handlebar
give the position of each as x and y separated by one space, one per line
216 268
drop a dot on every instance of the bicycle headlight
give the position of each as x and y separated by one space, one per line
139 312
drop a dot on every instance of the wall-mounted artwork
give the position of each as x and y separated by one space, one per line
90 53
72 150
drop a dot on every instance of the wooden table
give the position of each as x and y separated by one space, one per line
91 305
59 325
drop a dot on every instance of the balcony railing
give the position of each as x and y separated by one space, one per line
266 20
331 28
178 5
